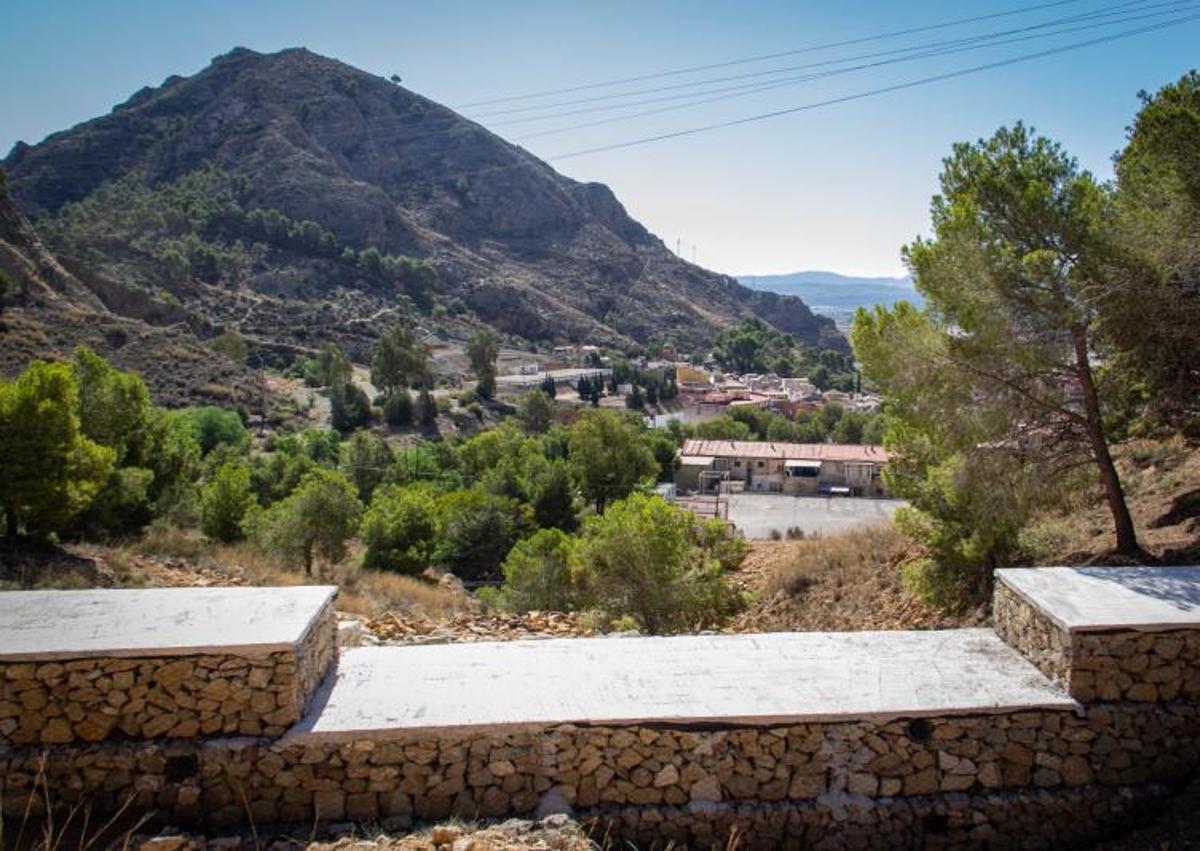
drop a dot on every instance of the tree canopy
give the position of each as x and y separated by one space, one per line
50 469
999 378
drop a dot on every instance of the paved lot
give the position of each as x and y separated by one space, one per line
756 514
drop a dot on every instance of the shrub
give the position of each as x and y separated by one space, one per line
400 528
539 574
535 411
948 587
398 409
367 459
215 427
426 410
315 521
224 502
642 558
349 407
609 455
478 530
49 469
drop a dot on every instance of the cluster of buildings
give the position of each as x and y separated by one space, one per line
710 393
799 469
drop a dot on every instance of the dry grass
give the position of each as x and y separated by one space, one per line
839 560
363 592
837 583
371 592
1160 479
49 825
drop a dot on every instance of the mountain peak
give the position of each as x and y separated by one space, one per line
311 139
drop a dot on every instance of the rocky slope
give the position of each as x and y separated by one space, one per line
47 312
305 138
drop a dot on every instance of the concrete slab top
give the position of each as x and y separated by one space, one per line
42 625
1097 599
771 678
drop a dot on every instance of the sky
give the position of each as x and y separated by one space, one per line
837 188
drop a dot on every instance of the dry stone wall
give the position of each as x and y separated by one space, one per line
54 702
891 772
1108 665
209 741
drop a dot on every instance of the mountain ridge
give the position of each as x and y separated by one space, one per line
834 294
512 243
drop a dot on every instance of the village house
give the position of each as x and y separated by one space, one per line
829 469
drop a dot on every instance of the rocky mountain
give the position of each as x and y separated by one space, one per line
834 295
47 312
295 199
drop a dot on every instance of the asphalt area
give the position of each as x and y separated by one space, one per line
758 514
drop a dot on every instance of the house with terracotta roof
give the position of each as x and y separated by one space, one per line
832 469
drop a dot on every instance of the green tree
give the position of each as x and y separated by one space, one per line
224 502
230 343
552 495
173 454
608 456
215 427
400 528
1150 313
482 351
398 409
752 345
1021 242
114 406
724 427
366 460
641 558
49 468
535 412
666 454
425 411
115 411
316 521
539 574
477 531
425 462
349 407
401 360
330 367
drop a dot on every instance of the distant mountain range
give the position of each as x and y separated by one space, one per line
834 295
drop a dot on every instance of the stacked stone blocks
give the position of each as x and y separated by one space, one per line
57 701
1139 665
1038 777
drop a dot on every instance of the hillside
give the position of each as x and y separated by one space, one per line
47 311
297 199
835 295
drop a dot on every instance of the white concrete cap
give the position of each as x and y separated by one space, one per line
41 625
1095 599
773 678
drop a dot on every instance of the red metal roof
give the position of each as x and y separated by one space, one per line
786 451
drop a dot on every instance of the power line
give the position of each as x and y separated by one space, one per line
750 89
1116 11
765 56
878 91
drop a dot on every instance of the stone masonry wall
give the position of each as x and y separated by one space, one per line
1032 634
1108 665
56 702
888 770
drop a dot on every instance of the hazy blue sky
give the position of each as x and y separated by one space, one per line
837 188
